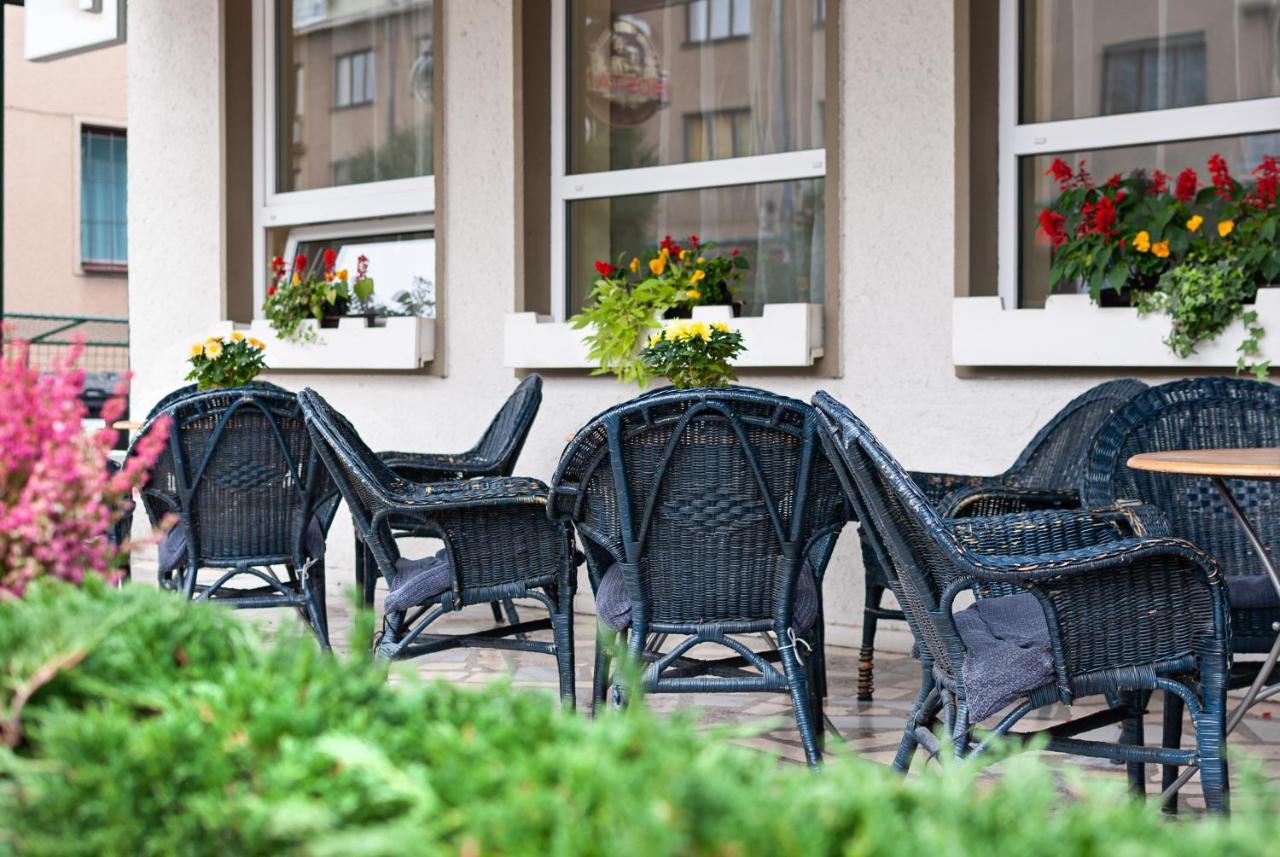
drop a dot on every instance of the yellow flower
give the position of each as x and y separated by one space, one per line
692 294
328 277
698 276
197 349
700 329
1161 250
721 326
213 350
1194 223
658 265
296 279
1142 241
342 275
665 253
1225 227
635 264
257 343
684 255
701 260
655 338
237 336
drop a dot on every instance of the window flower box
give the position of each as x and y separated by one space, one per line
1073 331
784 335
397 343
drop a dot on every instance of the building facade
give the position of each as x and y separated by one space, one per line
873 160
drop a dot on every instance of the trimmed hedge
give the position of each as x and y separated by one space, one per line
159 727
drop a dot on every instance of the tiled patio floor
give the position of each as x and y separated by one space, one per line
871 729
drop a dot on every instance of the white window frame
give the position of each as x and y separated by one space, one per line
1227 119
345 206
695 175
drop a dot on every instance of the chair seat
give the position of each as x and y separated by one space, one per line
419 580
1252 592
613 603
173 548
1009 651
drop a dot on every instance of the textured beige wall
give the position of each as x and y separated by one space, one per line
42 102
897 149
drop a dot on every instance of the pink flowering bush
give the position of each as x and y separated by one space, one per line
57 499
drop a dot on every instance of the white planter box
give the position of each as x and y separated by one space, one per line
1072 331
785 335
405 343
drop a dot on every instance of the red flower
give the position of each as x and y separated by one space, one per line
735 252
1221 175
1104 216
277 265
1061 173
299 264
330 259
1114 181
1185 190
271 291
1052 227
362 266
603 268
1268 173
1159 182
693 240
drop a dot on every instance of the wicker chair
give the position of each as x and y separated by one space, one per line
250 494
1197 414
707 514
1045 476
1070 604
499 544
495 454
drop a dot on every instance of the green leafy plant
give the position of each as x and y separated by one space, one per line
1202 301
628 301
1197 253
302 293
232 361
694 353
151 725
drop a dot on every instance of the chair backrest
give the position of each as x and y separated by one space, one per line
910 536
191 389
1200 413
240 470
502 441
710 500
1055 457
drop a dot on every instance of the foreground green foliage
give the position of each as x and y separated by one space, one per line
157 727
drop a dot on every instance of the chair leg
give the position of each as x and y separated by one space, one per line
359 562
496 607
600 673
866 655
393 628
1211 736
370 581
562 629
800 702
924 714
1133 733
316 607
1173 713
813 667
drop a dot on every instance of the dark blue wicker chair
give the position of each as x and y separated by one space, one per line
251 496
707 514
495 454
1198 414
1069 604
1045 476
499 544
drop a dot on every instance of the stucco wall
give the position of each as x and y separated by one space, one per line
897 155
42 102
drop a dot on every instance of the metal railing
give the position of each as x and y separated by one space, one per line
106 339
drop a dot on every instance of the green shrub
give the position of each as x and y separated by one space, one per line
159 727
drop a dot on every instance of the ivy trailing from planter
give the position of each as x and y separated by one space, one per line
1198 254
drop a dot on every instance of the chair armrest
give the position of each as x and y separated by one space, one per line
999 499
435 467
427 498
1039 533
936 486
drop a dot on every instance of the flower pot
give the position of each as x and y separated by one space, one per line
334 312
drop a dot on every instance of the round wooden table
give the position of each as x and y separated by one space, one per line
1219 465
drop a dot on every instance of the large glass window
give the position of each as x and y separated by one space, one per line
104 245
365 54
650 87
402 265
1125 85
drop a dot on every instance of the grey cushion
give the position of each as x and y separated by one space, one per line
1252 592
419 580
173 548
1009 651
613 603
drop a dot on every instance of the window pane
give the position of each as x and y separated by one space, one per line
103 201
632 77
741 17
1097 57
399 263
336 47
697 20
1242 154
778 226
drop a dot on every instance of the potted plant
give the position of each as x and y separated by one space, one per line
298 294
629 300
231 362
1197 253
693 353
